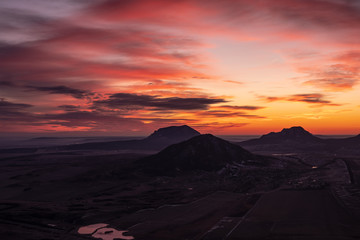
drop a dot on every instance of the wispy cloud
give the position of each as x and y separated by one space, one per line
337 77
310 98
76 93
11 106
227 114
126 100
69 108
14 113
240 107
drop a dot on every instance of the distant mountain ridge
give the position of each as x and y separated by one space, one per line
158 140
289 139
293 134
297 138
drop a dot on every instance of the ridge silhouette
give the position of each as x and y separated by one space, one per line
203 152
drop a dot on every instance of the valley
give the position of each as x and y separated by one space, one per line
201 188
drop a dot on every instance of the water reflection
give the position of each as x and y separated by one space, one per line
110 234
101 231
90 229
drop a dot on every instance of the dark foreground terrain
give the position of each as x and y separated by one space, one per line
52 195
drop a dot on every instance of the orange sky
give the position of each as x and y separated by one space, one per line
224 67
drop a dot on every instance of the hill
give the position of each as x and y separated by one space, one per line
205 152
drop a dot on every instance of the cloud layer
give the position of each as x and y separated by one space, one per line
140 64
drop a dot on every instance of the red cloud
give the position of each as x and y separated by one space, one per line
291 19
132 55
336 77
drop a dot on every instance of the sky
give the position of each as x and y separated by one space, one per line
128 67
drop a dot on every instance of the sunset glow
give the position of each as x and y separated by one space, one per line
225 67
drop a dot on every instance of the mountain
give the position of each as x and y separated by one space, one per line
293 133
294 138
158 140
203 152
287 135
173 133
297 139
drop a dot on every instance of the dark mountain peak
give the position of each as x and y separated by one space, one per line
295 133
203 152
207 142
289 138
183 132
202 138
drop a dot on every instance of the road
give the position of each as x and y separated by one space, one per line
290 214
